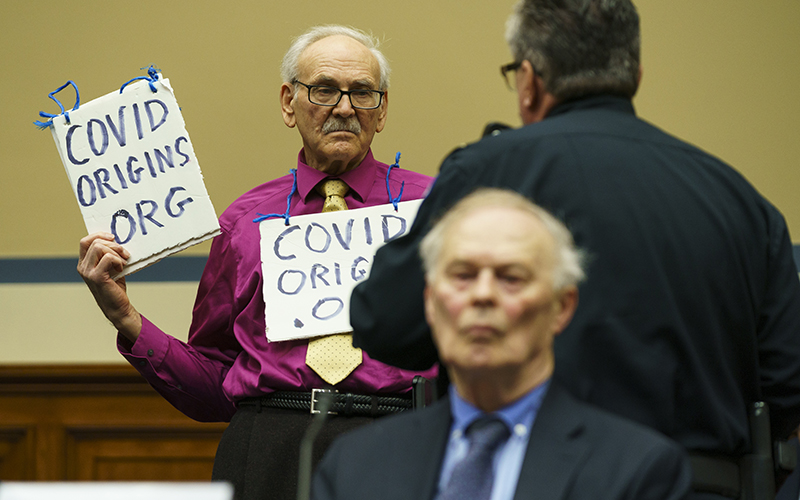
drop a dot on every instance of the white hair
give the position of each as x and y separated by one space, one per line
289 66
568 269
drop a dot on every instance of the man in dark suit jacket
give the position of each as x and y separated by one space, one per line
501 279
692 309
575 452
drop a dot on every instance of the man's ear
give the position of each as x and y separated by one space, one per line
426 294
526 85
535 101
382 112
287 104
567 302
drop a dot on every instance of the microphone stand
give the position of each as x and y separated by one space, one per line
307 446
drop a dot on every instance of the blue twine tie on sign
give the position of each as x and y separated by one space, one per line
152 77
262 217
395 201
396 164
52 95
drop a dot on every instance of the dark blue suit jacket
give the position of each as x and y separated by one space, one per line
575 452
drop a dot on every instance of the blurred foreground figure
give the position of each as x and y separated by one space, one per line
501 285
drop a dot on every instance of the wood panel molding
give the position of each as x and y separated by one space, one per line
96 422
16 452
71 378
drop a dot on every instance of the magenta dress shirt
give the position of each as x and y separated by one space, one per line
227 357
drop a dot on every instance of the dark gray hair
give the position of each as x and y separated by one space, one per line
568 269
579 47
292 57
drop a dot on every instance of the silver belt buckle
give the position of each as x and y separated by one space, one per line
314 393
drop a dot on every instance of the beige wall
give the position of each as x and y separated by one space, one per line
719 73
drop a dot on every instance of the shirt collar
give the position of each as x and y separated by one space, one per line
522 411
608 101
360 179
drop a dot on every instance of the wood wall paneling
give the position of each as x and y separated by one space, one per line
97 423
17 460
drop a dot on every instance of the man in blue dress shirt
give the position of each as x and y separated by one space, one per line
502 277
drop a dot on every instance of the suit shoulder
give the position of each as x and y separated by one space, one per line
400 427
604 424
394 427
628 460
601 425
492 146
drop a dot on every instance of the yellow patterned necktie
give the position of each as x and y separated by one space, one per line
333 357
333 190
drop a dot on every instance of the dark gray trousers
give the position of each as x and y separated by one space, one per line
259 452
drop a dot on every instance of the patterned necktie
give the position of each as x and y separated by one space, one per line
472 477
333 357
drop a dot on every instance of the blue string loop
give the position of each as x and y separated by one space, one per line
52 95
262 217
396 164
152 77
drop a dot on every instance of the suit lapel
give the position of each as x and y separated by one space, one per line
555 449
430 436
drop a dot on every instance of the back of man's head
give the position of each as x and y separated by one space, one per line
579 47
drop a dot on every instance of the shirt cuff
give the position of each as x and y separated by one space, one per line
150 347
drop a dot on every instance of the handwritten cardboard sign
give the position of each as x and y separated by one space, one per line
311 266
134 172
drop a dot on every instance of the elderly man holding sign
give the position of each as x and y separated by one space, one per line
233 368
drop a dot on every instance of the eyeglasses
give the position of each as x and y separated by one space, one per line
509 68
323 95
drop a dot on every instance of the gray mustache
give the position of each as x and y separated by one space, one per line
335 124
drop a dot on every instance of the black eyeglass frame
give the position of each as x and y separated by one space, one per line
341 93
514 66
508 68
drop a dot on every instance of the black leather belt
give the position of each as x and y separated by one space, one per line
343 403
